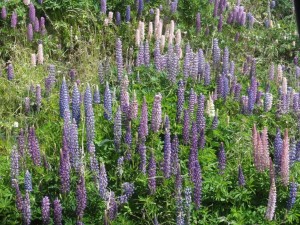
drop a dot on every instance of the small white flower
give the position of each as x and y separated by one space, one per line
16 124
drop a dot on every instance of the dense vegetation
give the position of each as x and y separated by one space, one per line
149 112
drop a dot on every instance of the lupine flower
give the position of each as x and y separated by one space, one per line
128 135
10 72
186 127
268 102
103 6
42 26
19 200
128 190
216 52
271 202
63 98
127 16
33 146
197 180
81 197
74 150
241 177
3 13
186 66
152 174
64 168
38 94
200 113
222 158
28 181
207 74
292 153
102 181
14 20
89 115
278 148
194 148
112 206
180 100
26 210
46 210
187 203
27 105
175 155
292 196
146 53
118 129
119 59
198 22
284 170
192 102
96 97
133 111
57 212
93 161
143 128
21 143
107 103
29 32
143 156
14 163
118 19
76 104
36 25
156 113
167 151
220 23
31 13
157 56
140 7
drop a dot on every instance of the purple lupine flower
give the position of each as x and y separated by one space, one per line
156 113
107 103
96 97
33 146
120 164
192 102
128 189
167 151
216 6
232 68
143 128
29 32
93 161
103 6
89 115
226 61
10 72
118 129
76 104
187 203
252 94
21 143
27 105
118 19
14 20
57 210
201 141
42 26
146 54
81 197
198 22
64 167
220 86
186 63
197 180
143 156
298 151
278 146
103 182
14 163
201 122
237 92
216 52
112 207
271 71
127 16
207 74
201 62
241 177
222 158
194 66
46 210
186 127
63 98
36 25
3 13
38 94
292 152
157 56
26 210
292 195
119 59
140 56
268 102
140 7
28 181
215 122
220 23
272 4
19 200
152 174
194 148
31 13
175 155
128 135
74 150
134 108
180 100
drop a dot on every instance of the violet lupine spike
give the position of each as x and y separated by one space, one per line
222 158
103 6
175 154
271 202
93 161
292 153
284 169
201 62
107 103
268 102
167 153
134 108
21 143
33 146
186 127
103 182
156 113
201 141
180 100
63 98
30 32
197 180
127 16
241 177
28 181
192 102
14 20
26 209
118 129
187 204
81 197
292 195
118 19
186 66
42 26
76 113
57 211
143 128
19 200
74 149
278 146
215 122
96 97
64 168
220 23
46 210
143 157
112 207
14 163
201 121
3 13
226 61
120 164
193 156
119 59
198 23
31 13
128 190
89 115
140 7
216 52
141 56
128 135
36 25
157 56
207 74
152 174
38 98
146 53
10 72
